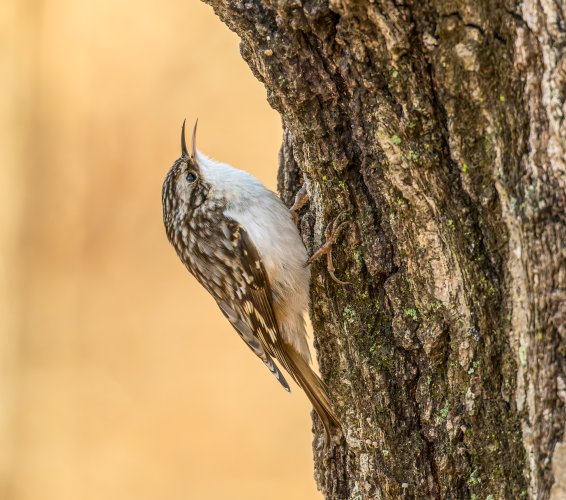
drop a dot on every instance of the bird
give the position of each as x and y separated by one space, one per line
238 239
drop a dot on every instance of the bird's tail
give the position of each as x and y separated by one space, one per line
316 391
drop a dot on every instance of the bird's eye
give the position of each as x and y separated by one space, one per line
191 177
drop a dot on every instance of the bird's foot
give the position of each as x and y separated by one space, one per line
331 234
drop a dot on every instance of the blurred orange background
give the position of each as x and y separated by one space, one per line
119 378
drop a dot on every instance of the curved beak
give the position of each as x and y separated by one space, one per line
194 142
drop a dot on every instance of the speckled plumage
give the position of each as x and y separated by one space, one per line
238 239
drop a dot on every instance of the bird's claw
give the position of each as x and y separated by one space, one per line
331 234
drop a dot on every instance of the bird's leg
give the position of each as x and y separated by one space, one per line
301 199
331 234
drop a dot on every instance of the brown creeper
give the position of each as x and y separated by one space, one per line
238 239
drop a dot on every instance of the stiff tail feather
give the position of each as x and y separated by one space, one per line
316 391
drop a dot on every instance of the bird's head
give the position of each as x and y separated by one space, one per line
183 189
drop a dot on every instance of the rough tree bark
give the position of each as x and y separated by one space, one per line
438 127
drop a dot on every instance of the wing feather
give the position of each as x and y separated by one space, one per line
248 304
231 269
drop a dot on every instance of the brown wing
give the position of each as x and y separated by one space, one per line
245 298
248 305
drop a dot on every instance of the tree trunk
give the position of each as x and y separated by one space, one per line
438 128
